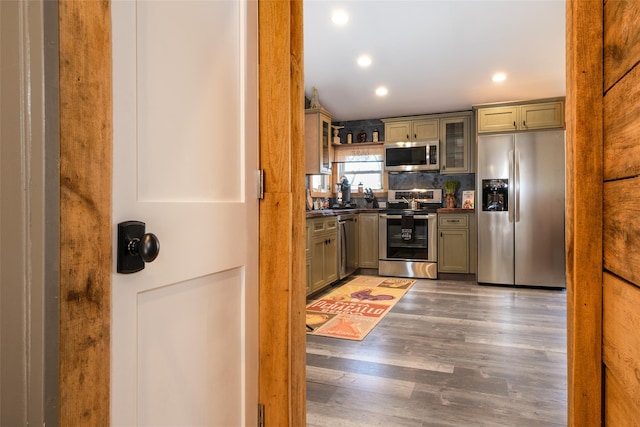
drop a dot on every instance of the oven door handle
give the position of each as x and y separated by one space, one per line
400 216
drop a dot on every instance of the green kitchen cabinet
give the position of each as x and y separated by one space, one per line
520 117
322 244
317 141
455 243
410 130
368 240
457 153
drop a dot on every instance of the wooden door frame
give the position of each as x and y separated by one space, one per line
584 71
85 85
85 205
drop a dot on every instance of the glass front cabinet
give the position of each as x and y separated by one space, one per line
455 144
317 136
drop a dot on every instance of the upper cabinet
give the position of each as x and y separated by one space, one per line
455 144
522 117
401 130
317 139
452 130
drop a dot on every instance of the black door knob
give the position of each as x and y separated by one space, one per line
147 248
135 247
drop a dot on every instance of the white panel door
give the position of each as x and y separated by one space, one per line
184 329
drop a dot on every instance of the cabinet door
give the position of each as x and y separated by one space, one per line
397 131
498 119
453 251
325 143
331 259
317 138
368 244
308 237
424 130
456 152
309 280
317 262
542 116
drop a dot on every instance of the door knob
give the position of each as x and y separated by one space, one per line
135 247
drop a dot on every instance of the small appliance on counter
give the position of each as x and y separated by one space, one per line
343 196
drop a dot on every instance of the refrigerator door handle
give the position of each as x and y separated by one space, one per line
511 208
516 178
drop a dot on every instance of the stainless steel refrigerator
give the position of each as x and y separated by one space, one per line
520 187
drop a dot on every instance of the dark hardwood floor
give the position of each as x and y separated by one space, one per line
450 353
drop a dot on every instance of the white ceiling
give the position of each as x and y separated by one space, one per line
433 56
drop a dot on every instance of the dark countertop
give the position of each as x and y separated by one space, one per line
455 210
333 212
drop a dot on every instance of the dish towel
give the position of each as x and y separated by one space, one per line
406 228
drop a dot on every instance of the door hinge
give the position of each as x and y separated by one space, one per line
260 415
260 176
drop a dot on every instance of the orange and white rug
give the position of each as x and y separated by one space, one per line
355 308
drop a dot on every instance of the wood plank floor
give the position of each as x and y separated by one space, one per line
450 353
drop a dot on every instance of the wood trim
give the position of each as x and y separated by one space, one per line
622 128
584 211
282 226
299 274
621 41
621 344
85 211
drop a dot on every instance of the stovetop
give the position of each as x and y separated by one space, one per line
398 211
428 200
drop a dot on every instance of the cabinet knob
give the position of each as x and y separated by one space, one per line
514 124
524 123
407 137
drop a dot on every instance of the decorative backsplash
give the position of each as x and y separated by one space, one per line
409 180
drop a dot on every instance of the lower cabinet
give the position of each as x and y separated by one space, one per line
322 252
368 240
453 243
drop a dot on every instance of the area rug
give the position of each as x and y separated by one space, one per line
352 310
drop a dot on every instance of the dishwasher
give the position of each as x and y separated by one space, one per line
347 244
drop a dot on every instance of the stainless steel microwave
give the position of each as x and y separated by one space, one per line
412 156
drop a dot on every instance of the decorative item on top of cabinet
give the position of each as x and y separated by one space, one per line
336 131
317 135
510 117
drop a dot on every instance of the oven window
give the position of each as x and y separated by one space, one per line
402 248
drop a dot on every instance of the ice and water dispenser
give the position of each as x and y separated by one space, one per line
495 194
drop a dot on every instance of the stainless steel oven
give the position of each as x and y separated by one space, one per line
408 238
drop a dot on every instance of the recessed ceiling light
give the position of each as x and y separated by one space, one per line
382 91
364 61
499 77
340 17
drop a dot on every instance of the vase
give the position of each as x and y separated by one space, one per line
450 200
